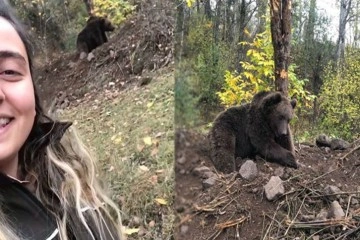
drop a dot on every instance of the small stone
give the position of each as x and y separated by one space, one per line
90 57
339 144
181 159
331 190
335 211
209 182
327 150
323 141
184 229
248 170
354 201
82 55
200 171
279 171
322 215
152 223
316 237
274 188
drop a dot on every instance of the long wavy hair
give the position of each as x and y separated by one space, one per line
60 168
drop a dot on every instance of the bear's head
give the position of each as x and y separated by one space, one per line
107 25
104 23
278 110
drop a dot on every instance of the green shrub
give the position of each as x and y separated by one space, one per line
340 98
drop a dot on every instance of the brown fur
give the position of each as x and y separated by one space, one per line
260 127
93 34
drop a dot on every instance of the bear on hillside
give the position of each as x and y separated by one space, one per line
260 127
93 35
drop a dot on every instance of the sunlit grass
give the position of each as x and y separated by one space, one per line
133 138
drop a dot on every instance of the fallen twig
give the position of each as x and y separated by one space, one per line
230 223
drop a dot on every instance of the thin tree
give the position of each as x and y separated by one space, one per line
280 12
345 7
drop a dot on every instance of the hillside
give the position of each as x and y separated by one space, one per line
122 103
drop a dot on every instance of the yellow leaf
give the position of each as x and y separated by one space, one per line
150 104
147 140
161 201
117 140
129 231
143 168
190 2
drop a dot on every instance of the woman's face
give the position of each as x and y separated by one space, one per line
17 99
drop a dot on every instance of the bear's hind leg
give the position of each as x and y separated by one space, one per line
223 149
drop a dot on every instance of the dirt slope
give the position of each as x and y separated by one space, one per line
141 44
235 208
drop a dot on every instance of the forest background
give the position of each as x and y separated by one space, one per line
225 55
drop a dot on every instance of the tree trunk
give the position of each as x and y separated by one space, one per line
179 31
89 7
241 37
217 19
207 8
261 12
345 6
280 11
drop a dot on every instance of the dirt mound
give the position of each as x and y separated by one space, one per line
211 205
142 43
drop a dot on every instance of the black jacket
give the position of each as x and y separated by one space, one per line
31 220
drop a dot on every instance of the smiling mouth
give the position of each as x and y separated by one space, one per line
4 122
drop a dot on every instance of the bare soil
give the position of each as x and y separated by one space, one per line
234 208
142 44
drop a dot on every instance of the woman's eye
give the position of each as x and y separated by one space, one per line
10 72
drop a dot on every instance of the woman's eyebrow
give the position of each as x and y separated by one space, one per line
11 54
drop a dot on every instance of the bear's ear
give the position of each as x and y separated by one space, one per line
272 99
293 103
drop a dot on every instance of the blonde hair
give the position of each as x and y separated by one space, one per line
62 172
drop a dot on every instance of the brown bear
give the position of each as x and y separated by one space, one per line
260 127
93 34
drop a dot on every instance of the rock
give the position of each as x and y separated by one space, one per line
274 188
339 144
181 159
248 170
316 237
201 171
90 56
184 229
82 55
279 171
144 81
322 215
331 189
209 175
307 218
323 141
327 150
335 211
209 182
354 201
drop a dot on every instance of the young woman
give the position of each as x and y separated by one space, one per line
48 188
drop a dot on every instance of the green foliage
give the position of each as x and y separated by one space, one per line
185 102
258 75
339 98
116 10
208 60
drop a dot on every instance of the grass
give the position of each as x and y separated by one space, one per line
131 132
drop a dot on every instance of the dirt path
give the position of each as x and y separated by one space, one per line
235 208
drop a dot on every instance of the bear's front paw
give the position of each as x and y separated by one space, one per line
290 160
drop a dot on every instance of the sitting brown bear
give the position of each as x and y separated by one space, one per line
93 35
260 127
